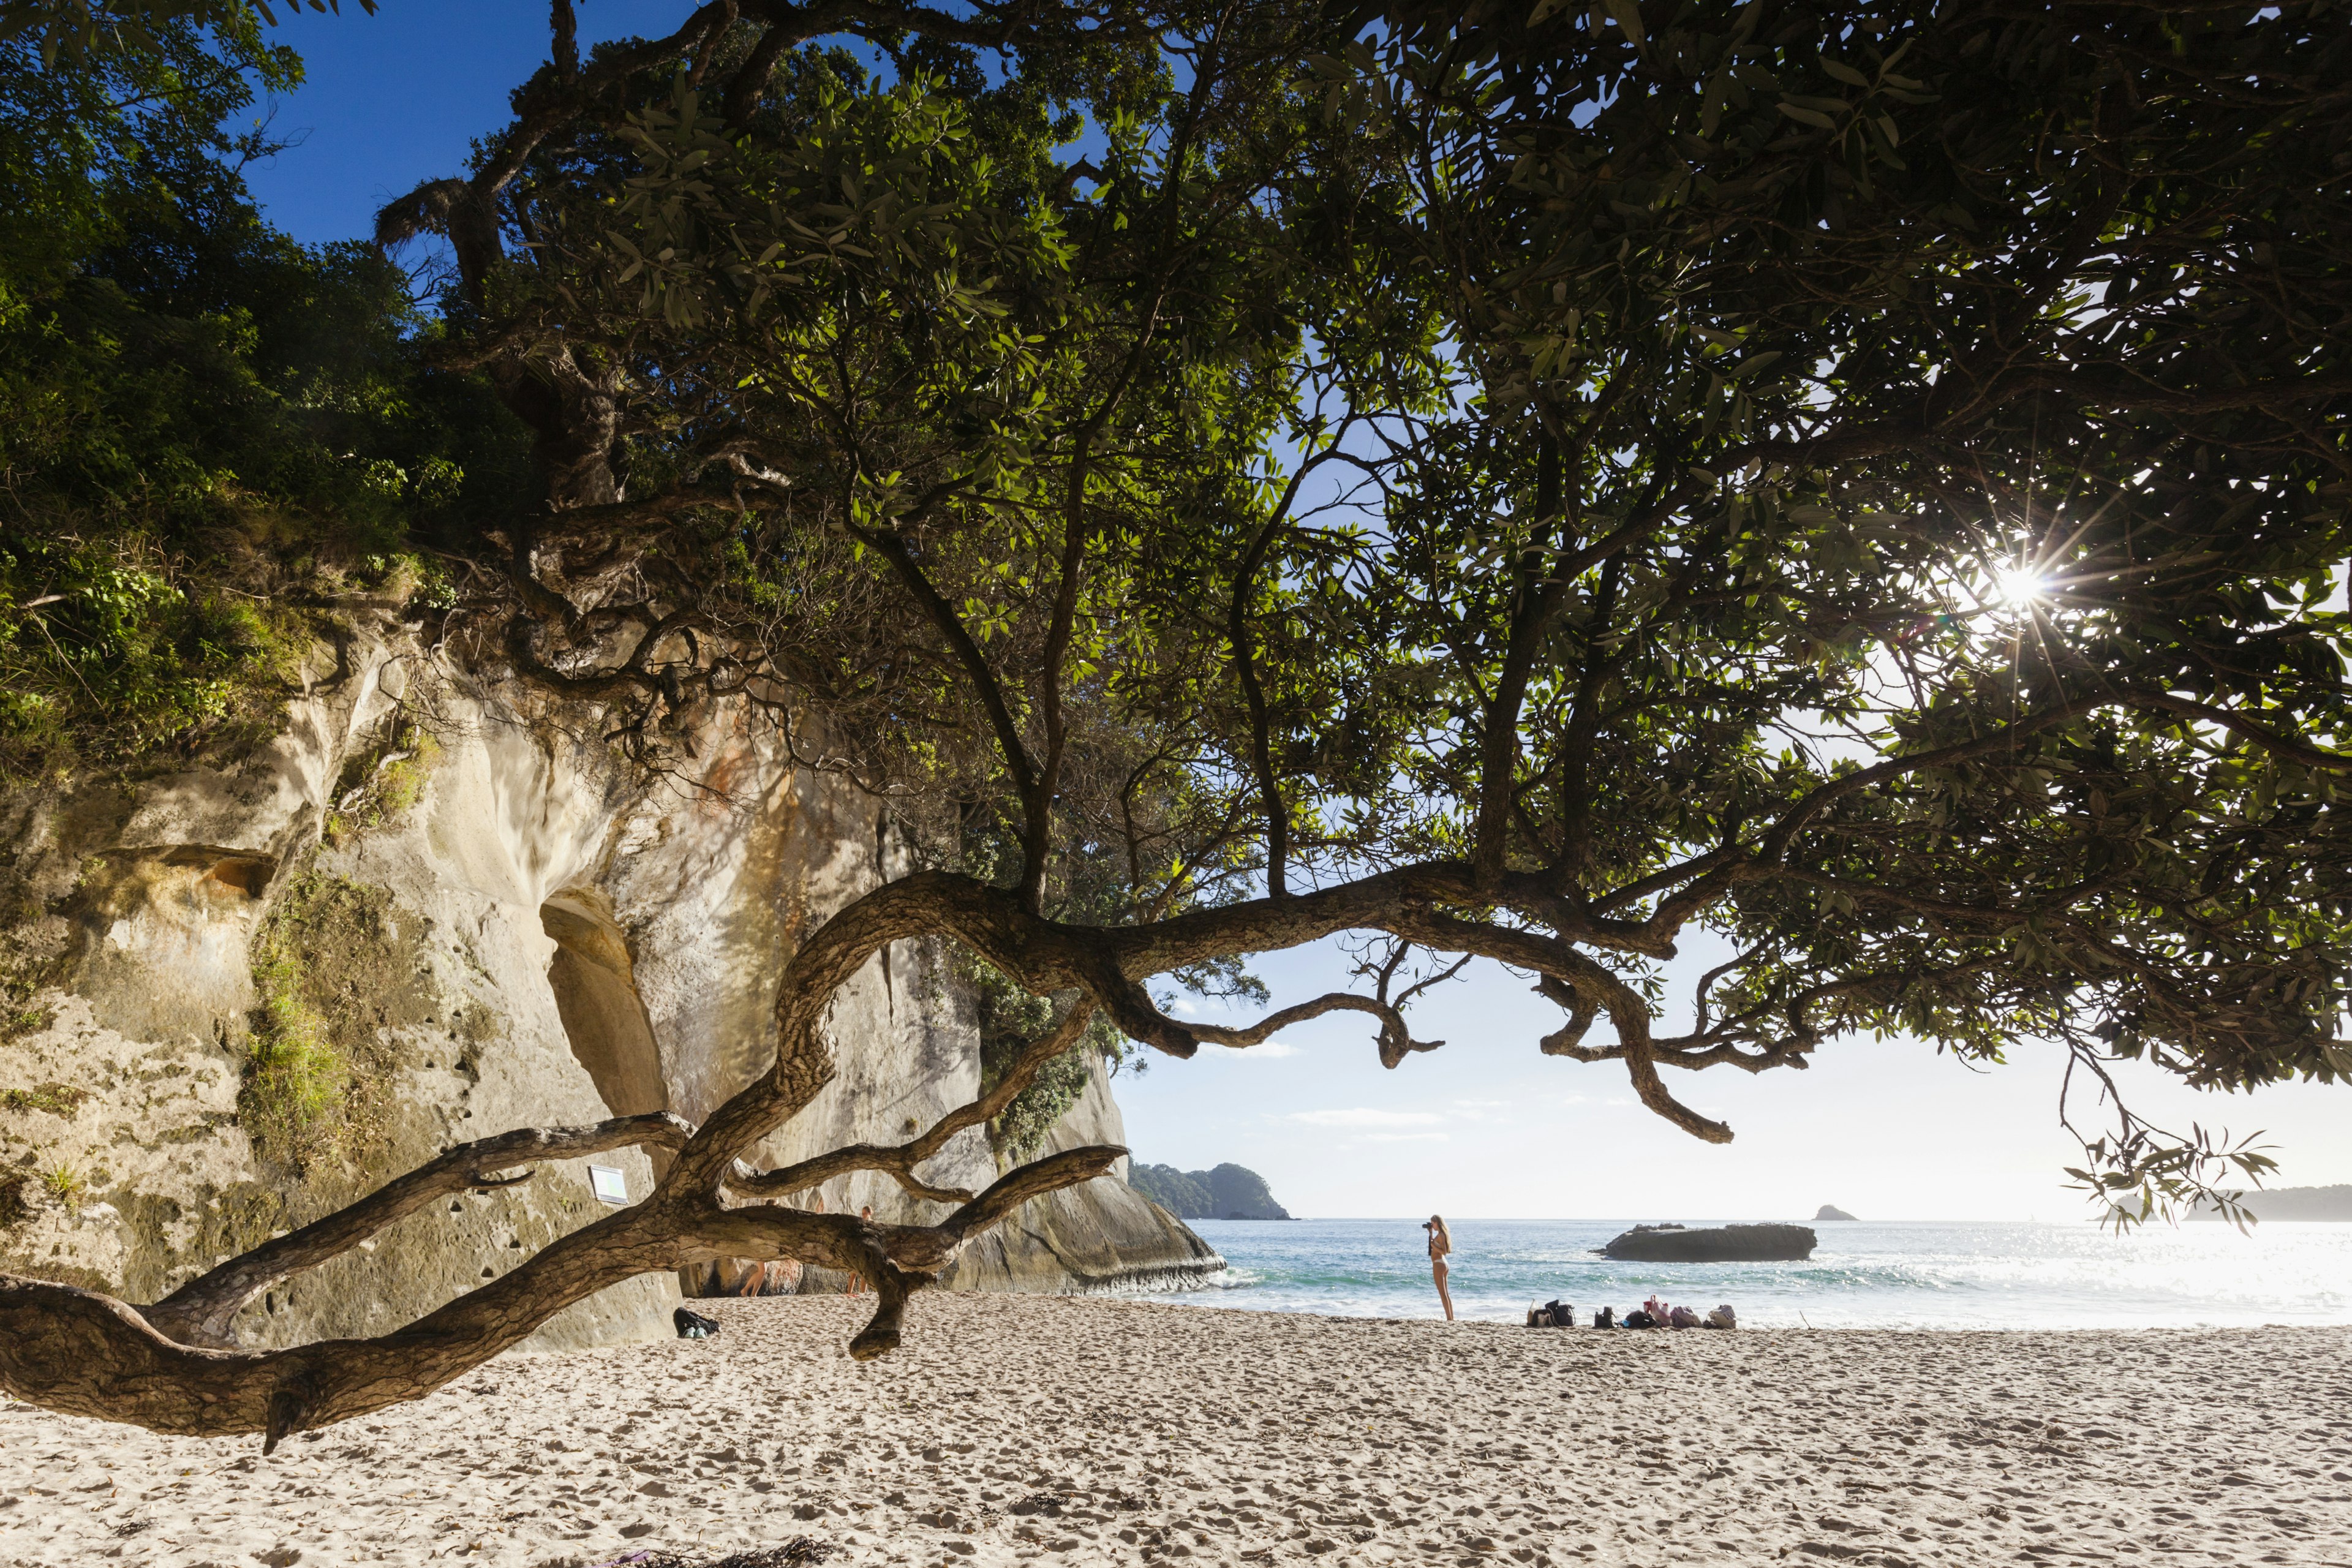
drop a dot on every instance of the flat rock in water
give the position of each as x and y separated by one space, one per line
1724 1244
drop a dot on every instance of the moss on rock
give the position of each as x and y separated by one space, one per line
1009 1020
336 966
51 1098
380 784
168 1242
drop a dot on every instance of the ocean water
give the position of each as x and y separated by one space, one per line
1908 1275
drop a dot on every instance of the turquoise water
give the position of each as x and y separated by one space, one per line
1912 1275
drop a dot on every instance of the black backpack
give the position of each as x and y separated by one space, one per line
693 1325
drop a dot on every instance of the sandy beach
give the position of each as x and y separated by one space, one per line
1092 1431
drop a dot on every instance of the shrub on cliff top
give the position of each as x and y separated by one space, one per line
207 432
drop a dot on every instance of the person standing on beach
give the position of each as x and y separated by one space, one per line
857 1282
1441 1242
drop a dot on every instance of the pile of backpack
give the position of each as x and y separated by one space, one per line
1560 1315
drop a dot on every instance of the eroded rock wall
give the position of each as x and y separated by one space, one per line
1104 1236
535 932
137 1168
710 886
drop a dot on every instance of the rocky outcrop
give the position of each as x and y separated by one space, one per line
475 918
1830 1211
1103 1236
1724 1244
1228 1191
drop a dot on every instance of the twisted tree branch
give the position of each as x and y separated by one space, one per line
86 1353
198 1312
898 1161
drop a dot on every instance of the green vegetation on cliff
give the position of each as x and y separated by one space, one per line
1011 1019
1088 889
333 969
208 434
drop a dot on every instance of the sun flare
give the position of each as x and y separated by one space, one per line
2021 587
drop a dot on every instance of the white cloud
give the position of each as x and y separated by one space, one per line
1272 1050
1404 1138
1361 1116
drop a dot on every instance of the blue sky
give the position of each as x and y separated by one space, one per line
1488 1126
397 97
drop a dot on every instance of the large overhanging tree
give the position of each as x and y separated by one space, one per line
1869 484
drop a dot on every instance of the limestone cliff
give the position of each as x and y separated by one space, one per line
439 917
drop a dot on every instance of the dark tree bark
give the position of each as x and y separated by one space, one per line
198 1314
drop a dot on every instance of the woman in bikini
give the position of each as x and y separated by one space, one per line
1441 1242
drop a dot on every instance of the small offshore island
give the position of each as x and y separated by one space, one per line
1720 1243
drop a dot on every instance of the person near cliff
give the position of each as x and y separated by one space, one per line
1441 1242
857 1282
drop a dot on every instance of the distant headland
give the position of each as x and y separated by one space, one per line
1830 1211
2291 1203
1229 1192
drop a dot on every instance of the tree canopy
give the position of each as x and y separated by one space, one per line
206 431
1524 482
1868 482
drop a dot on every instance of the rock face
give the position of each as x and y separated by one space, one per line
521 930
1725 1244
1830 1211
1228 1191
1102 1236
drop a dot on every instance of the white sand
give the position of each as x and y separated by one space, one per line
1235 1437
